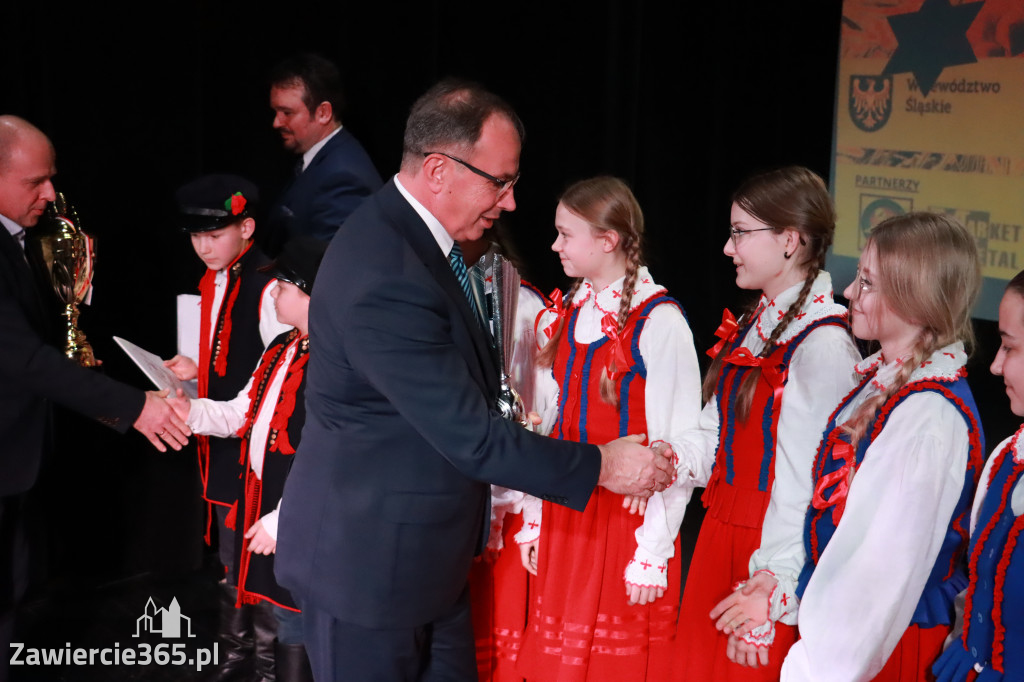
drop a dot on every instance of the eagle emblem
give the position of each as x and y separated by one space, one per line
870 101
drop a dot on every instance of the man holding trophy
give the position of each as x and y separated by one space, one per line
34 374
387 500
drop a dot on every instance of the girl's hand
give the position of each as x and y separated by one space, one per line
528 553
747 607
183 367
635 505
181 405
643 595
261 543
746 654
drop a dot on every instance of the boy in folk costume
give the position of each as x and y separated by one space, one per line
237 320
268 414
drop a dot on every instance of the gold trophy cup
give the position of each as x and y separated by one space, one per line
69 254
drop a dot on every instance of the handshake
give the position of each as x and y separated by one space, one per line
629 468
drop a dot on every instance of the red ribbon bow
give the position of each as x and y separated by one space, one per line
726 331
841 477
610 327
558 310
774 374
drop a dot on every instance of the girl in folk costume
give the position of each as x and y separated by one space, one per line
989 644
622 362
498 585
268 415
775 376
886 530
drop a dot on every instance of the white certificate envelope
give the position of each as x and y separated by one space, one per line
188 326
152 366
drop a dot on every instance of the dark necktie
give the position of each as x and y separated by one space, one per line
461 274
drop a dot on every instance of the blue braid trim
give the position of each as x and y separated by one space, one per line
624 403
768 439
588 364
634 344
563 395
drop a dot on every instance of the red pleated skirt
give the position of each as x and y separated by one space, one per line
721 558
499 593
581 627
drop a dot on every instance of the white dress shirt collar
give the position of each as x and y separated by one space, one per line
307 158
441 236
16 230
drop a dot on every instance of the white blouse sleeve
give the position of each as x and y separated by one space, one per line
821 374
871 575
221 418
672 408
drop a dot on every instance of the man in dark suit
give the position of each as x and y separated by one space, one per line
34 374
386 502
336 173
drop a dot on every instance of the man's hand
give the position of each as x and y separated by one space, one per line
629 468
260 540
528 553
158 420
183 367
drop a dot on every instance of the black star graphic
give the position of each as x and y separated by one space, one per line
931 39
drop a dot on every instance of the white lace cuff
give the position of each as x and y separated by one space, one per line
647 570
783 602
762 636
532 508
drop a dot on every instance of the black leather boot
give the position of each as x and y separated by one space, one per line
236 639
264 627
292 663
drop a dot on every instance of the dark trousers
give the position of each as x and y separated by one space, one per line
442 650
14 570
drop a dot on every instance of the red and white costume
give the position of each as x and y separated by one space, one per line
869 579
581 626
758 472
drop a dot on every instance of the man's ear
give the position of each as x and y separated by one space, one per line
248 227
435 172
324 113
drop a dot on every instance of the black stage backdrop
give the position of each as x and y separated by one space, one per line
683 100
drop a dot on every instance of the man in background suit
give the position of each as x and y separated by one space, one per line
387 500
336 173
34 374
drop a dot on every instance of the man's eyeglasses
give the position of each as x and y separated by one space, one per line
502 186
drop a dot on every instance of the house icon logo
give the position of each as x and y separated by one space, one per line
167 622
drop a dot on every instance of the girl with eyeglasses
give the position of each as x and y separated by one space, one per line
886 529
622 362
776 373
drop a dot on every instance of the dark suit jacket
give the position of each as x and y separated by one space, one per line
384 505
33 374
319 200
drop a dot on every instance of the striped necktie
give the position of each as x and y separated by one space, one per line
461 274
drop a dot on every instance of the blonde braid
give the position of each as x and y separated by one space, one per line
864 416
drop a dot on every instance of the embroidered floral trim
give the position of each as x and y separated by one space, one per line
607 300
646 570
819 304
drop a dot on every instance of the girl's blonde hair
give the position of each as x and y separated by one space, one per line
605 203
929 274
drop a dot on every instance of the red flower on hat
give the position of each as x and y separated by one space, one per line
235 203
